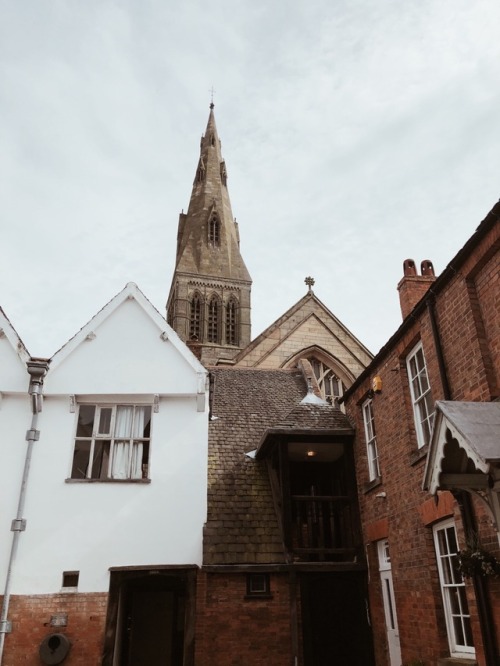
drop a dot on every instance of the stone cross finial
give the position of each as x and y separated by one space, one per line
310 282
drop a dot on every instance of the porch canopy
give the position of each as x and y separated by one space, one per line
464 452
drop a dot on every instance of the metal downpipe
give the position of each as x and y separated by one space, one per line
37 371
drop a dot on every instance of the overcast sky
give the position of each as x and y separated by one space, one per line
356 133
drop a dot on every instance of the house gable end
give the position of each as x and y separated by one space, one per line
13 358
136 353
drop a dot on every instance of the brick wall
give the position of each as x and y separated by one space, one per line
31 616
468 318
232 630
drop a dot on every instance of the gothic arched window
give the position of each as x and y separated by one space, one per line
213 327
232 322
329 384
195 317
214 230
172 307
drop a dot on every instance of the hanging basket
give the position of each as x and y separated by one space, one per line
477 561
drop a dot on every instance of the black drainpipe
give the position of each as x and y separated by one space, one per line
437 345
480 588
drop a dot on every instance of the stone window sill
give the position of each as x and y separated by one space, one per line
107 480
418 455
370 485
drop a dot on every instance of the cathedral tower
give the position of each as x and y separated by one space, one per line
209 300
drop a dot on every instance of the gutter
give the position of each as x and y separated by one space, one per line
37 370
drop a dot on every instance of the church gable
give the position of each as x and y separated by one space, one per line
306 325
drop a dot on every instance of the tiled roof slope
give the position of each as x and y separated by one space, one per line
320 418
242 527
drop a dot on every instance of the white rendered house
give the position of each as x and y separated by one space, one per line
117 488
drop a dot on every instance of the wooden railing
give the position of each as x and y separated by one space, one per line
322 528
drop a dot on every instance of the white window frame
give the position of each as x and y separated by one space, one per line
421 395
452 585
371 440
111 439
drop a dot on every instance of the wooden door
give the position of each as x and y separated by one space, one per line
335 620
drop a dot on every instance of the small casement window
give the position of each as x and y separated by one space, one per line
456 608
423 405
213 320
112 442
371 440
329 384
258 585
231 322
214 230
195 318
70 580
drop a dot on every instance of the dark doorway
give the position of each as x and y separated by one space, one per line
149 615
335 620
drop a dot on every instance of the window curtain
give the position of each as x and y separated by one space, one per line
128 464
123 429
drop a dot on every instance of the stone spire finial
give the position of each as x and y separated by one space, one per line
212 91
309 282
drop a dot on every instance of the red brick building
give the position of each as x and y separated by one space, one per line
441 368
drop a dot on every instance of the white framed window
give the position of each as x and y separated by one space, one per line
112 442
371 440
421 396
452 584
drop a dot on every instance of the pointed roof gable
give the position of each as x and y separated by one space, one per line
465 444
209 200
133 345
308 323
13 358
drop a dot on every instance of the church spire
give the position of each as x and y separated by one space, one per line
214 306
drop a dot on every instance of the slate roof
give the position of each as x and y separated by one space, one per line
305 417
242 527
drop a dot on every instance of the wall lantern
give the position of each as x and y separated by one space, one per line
377 384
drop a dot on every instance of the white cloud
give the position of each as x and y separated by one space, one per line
356 134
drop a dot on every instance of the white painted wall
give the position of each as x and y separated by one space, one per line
13 374
91 526
127 354
15 419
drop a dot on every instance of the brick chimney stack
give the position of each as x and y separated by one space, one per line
413 287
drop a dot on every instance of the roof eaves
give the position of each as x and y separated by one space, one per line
440 283
266 439
13 337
